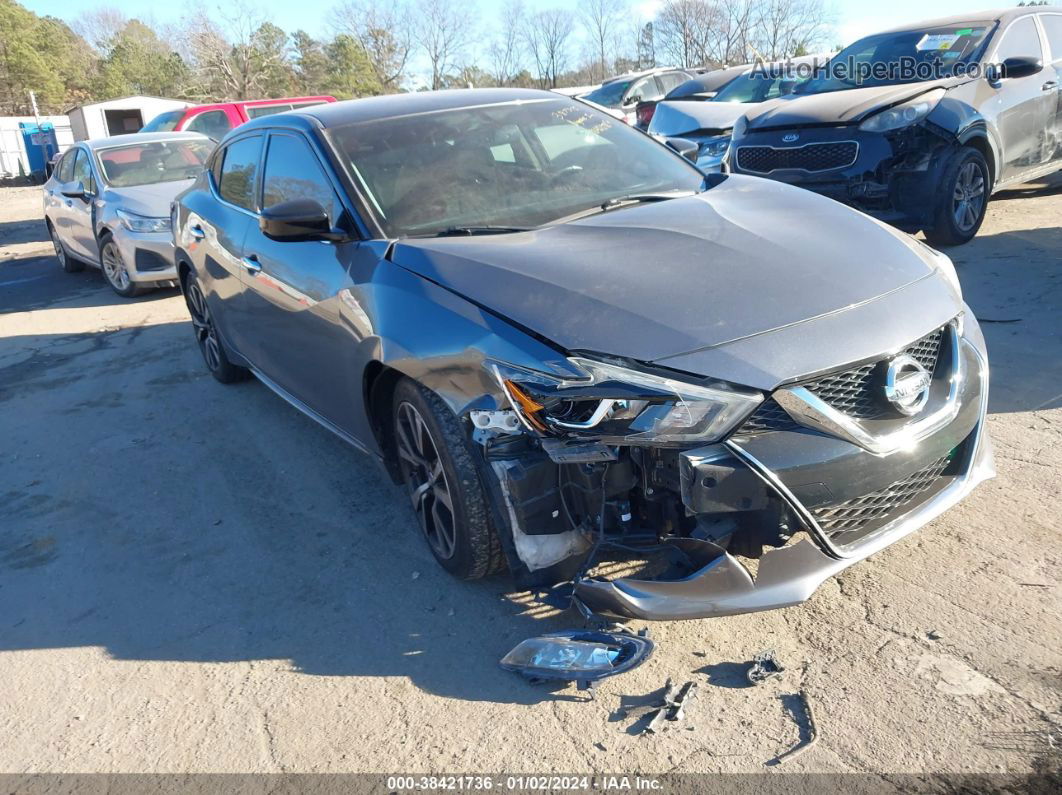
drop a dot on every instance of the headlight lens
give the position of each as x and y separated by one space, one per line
904 114
713 149
620 405
143 223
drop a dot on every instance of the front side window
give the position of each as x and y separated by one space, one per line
906 56
164 122
645 90
513 165
293 172
610 95
239 170
1020 40
154 162
83 171
213 124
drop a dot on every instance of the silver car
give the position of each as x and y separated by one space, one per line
107 204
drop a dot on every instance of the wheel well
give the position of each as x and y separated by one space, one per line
378 390
980 143
183 269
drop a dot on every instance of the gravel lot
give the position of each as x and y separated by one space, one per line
197 578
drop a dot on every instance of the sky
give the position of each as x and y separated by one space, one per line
855 18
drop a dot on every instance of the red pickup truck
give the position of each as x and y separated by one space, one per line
217 119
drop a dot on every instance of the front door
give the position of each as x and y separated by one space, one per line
1021 106
1052 83
294 295
81 234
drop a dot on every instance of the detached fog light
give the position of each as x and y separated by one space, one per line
578 655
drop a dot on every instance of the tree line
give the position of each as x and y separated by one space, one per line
381 46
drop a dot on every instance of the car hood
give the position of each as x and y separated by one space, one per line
150 200
676 117
655 281
835 107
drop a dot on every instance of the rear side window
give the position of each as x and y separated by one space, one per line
239 170
256 111
213 124
65 172
293 172
1053 26
1021 40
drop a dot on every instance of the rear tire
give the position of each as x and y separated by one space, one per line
66 262
206 335
965 187
115 271
448 495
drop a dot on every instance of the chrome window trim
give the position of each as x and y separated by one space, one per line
855 157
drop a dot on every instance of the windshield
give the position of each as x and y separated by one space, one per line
151 163
610 95
907 56
164 122
760 85
514 165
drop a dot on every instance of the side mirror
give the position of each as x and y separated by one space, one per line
1014 68
634 99
298 220
77 192
685 147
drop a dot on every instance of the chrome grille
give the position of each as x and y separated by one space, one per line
857 392
849 517
810 157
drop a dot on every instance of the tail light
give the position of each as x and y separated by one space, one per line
644 113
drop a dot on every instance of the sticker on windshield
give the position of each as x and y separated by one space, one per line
937 41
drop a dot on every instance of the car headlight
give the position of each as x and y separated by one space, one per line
713 148
904 114
619 405
943 264
143 223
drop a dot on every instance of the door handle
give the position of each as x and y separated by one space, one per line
1049 85
252 264
197 232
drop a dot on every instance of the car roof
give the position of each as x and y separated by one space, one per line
141 138
634 75
337 114
1003 15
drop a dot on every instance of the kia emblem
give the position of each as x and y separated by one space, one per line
790 137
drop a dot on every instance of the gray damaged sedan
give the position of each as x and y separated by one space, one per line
107 204
570 346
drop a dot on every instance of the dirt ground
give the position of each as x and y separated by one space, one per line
197 578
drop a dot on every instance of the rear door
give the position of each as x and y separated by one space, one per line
1021 104
215 228
293 295
1052 24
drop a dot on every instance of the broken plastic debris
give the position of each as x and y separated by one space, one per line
764 666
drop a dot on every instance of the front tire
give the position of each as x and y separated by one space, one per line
444 484
115 270
66 262
206 335
965 188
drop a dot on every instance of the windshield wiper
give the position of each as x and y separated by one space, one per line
459 231
624 201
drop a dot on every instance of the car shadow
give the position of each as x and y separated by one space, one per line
1013 282
159 515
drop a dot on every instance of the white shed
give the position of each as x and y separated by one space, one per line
19 154
118 116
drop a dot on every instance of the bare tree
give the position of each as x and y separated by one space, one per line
100 27
601 19
546 35
684 29
505 49
784 27
250 61
384 31
442 30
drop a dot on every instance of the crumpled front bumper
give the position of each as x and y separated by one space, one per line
790 574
